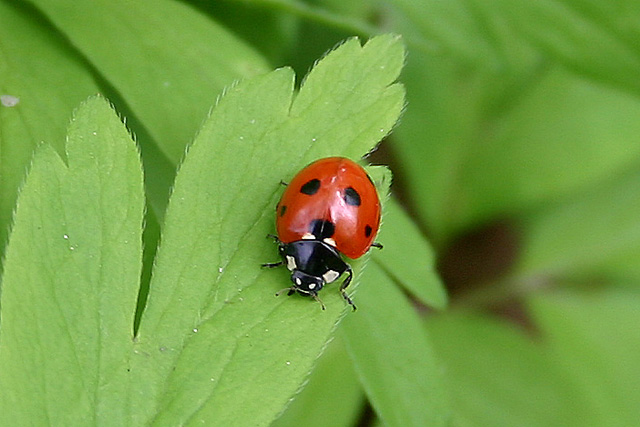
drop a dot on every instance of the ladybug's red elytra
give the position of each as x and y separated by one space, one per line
331 207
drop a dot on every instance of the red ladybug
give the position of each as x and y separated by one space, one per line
330 208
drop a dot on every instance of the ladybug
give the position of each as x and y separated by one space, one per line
330 208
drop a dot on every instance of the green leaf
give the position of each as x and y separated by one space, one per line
596 339
270 31
450 27
215 345
560 136
584 35
509 111
623 269
48 81
351 17
71 279
584 233
496 375
332 397
169 62
408 257
436 131
566 135
393 356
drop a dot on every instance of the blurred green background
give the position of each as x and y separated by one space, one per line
517 157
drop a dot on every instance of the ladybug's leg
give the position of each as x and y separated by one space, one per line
344 286
290 291
274 237
272 264
377 245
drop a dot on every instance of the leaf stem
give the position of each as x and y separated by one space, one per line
355 26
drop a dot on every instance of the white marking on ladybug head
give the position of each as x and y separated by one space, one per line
308 236
330 241
330 276
298 281
291 263
312 285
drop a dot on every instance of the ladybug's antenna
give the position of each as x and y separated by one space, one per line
290 290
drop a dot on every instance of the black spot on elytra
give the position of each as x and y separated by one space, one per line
322 229
283 209
351 197
310 187
368 230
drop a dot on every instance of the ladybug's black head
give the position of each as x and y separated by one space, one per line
312 263
306 284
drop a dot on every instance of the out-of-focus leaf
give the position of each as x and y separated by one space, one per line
596 339
567 134
585 233
497 376
595 39
449 27
562 135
